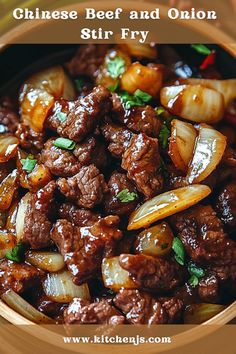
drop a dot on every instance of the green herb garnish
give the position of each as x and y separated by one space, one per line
196 274
201 48
17 254
126 196
179 251
139 98
142 96
116 67
28 164
62 116
79 83
160 110
64 143
193 281
164 136
114 88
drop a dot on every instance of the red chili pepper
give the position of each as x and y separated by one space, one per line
209 61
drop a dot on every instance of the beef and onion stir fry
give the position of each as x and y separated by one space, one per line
118 189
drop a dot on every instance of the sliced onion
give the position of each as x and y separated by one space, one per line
39 177
208 152
226 87
199 313
20 217
7 242
147 79
193 102
182 141
167 204
18 304
59 287
8 147
11 218
48 261
7 190
139 50
115 277
155 241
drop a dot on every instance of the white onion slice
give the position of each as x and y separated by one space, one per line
208 152
59 287
193 102
17 303
20 217
182 141
226 87
48 261
7 190
167 204
7 242
8 147
114 276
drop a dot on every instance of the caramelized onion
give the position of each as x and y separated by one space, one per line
18 304
199 313
208 152
138 76
48 261
7 190
114 276
7 242
20 217
11 218
181 146
59 287
194 102
155 241
167 204
8 147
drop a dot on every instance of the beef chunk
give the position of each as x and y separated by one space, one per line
36 230
226 205
30 139
101 312
18 277
203 236
119 138
208 289
138 119
142 308
152 274
86 188
84 248
60 162
87 60
82 116
78 217
91 151
142 162
117 183
9 119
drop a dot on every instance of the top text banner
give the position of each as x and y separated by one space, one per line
167 21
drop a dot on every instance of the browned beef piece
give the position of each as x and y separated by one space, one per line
29 139
209 290
9 119
118 137
101 312
84 248
82 115
91 151
60 162
78 217
37 226
187 293
138 119
152 274
86 188
18 277
226 205
87 60
117 183
203 236
141 308
142 162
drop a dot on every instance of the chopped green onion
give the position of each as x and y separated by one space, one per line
179 251
138 99
28 164
114 88
201 48
193 281
126 196
64 143
142 96
116 67
17 254
62 116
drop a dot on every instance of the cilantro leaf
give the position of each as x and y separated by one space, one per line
79 83
64 143
179 251
116 67
164 136
17 254
126 196
61 116
193 281
201 49
142 96
28 164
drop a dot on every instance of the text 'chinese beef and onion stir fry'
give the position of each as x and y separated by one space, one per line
118 189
